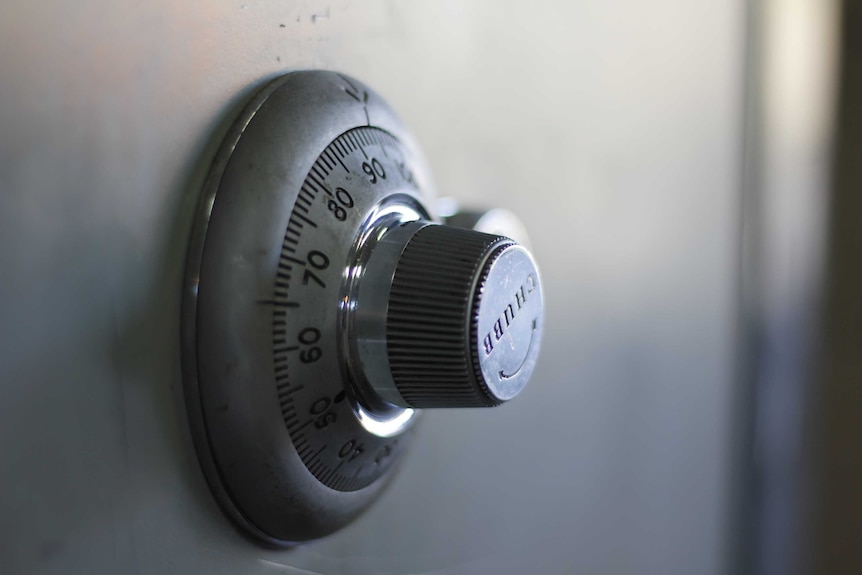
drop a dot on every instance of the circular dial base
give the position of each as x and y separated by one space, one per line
304 177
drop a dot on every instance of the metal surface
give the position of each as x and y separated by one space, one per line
612 129
364 333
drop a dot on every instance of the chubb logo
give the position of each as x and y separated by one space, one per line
509 313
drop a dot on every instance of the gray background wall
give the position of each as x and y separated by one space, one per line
612 128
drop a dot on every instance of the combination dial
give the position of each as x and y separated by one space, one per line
327 306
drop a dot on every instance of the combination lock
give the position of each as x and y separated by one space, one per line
326 306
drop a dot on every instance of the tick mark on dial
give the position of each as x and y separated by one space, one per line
275 303
361 96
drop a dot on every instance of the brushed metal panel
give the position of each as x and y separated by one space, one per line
613 129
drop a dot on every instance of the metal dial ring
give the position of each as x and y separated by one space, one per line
291 452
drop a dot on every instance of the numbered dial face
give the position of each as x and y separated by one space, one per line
362 174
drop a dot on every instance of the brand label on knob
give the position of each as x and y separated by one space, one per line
509 313
509 322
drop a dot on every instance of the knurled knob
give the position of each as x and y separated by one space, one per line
464 319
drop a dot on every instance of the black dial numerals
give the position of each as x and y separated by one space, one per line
374 170
347 180
339 204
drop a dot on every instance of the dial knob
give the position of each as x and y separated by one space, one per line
461 317
326 307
